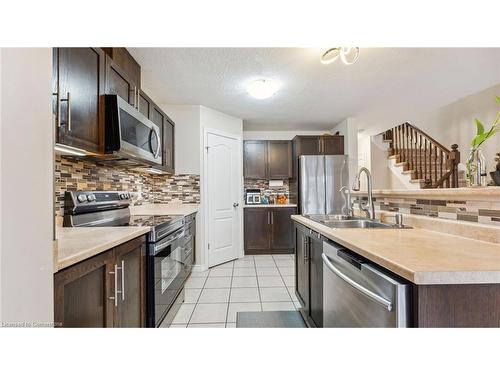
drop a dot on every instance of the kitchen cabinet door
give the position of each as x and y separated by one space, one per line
168 146
302 268
316 280
282 230
82 293
255 159
78 81
130 264
144 104
279 159
126 62
119 83
167 128
307 145
257 223
332 145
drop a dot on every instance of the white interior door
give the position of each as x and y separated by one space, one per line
223 197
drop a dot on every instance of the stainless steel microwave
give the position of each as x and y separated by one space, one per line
129 134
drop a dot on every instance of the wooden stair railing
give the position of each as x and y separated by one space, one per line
430 161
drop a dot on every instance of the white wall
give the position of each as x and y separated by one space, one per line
454 123
187 137
26 194
212 119
350 132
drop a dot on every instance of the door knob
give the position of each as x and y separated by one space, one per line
236 204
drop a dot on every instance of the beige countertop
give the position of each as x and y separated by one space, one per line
164 209
73 245
419 255
269 205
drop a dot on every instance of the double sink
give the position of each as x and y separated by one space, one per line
345 221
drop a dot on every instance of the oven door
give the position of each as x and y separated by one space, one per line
129 132
168 274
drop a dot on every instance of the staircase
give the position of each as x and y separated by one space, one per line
428 163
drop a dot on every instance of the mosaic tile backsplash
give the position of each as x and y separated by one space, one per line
484 212
144 187
263 185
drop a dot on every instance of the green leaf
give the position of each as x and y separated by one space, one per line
479 127
498 99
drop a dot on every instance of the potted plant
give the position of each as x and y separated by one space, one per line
476 163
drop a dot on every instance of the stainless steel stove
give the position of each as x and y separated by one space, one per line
169 248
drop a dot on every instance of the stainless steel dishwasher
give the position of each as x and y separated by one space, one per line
357 293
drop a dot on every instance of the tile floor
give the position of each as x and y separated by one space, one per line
252 283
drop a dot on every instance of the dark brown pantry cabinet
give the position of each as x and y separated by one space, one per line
107 290
268 230
78 83
267 159
309 274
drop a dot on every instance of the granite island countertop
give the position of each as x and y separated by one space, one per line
74 245
418 255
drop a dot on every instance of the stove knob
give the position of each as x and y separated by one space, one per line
82 198
91 197
122 196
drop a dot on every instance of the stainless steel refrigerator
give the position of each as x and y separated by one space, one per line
320 180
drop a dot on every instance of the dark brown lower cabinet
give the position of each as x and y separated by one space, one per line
107 290
309 275
268 230
316 281
302 267
459 306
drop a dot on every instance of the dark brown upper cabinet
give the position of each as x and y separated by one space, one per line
267 159
118 82
279 159
126 62
255 159
167 127
144 104
107 290
78 83
318 145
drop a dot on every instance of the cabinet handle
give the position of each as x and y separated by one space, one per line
137 99
115 272
68 111
123 280
272 218
306 245
268 218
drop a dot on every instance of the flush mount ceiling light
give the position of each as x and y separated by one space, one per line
263 88
348 55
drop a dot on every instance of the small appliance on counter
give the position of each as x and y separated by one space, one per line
252 196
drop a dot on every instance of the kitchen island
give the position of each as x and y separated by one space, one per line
455 280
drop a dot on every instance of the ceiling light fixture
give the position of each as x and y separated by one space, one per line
263 88
348 55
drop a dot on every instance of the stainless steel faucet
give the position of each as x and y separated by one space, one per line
369 208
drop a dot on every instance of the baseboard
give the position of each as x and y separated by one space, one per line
199 268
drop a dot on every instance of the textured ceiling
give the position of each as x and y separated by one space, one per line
315 96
